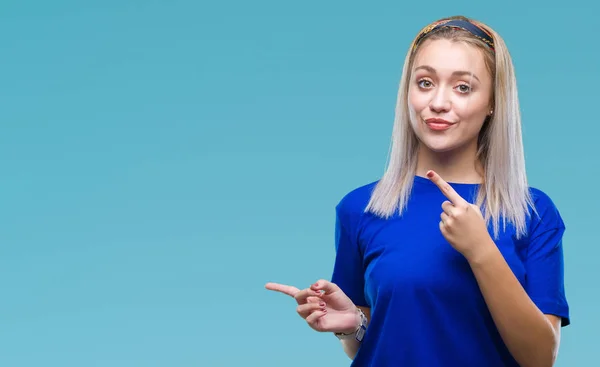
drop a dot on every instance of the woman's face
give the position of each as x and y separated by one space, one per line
449 94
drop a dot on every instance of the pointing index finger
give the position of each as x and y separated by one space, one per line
445 187
282 288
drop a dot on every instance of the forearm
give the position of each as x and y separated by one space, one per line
350 347
350 342
525 330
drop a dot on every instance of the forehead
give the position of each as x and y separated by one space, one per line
447 56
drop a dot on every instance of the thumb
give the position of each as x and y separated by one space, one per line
326 286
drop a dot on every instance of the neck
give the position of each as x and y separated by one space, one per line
459 166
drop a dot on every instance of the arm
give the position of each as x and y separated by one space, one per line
531 337
522 316
348 270
351 345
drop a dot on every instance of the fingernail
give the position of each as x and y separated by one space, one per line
322 304
430 174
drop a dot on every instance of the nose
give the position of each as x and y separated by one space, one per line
440 101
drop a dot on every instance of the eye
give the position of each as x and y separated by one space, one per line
464 88
424 83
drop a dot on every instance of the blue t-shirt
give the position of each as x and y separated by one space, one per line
426 307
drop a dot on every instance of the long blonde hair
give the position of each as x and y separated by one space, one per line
504 195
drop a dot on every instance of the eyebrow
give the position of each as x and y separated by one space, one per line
456 73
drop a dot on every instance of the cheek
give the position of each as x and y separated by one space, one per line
417 103
417 100
471 111
415 107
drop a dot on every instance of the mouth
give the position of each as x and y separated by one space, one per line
438 124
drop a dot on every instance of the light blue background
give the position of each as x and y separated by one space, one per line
161 160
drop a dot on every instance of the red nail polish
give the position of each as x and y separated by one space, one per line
429 174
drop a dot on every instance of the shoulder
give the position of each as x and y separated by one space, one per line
544 212
352 205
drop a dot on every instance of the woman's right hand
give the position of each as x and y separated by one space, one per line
323 305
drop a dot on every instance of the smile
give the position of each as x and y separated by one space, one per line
438 124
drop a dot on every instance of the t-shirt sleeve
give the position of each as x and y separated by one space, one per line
348 270
545 261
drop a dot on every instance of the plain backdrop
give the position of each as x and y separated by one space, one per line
160 161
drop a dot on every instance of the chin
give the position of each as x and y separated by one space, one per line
439 144
440 148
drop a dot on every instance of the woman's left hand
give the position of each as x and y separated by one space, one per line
462 223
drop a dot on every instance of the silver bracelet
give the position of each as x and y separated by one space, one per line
360 331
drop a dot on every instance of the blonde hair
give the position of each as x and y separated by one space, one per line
504 194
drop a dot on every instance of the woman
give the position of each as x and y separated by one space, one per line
450 259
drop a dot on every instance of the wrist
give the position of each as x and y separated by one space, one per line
355 325
358 330
487 250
